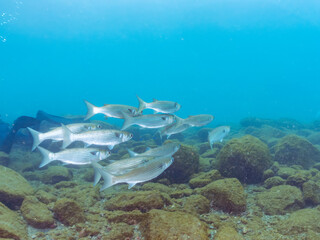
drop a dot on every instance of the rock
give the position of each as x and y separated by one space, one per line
205 164
226 232
36 213
120 231
255 122
131 218
45 197
311 192
161 224
286 172
11 224
204 178
143 201
280 200
203 134
314 138
150 186
4 159
244 158
267 174
298 179
225 194
196 204
186 163
273 181
56 174
294 150
181 193
13 188
301 221
68 212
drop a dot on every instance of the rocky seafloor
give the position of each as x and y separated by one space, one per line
261 183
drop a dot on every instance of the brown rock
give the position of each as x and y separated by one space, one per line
227 232
68 212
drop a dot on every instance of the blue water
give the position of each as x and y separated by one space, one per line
232 59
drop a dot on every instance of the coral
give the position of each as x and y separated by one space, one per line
11 224
225 194
280 200
186 163
294 150
36 213
13 188
68 212
245 158
56 174
161 224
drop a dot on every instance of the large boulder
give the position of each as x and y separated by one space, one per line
56 174
280 200
11 225
225 194
311 192
294 150
68 211
161 224
13 188
244 158
186 163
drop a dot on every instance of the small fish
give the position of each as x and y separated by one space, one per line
148 120
104 137
174 128
76 156
120 167
198 120
57 133
217 134
110 110
165 150
159 106
145 173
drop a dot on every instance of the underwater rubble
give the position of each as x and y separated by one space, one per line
262 182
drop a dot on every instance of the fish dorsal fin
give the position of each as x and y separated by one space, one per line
110 147
131 185
132 153
155 100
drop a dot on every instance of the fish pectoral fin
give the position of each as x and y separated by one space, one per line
131 185
110 147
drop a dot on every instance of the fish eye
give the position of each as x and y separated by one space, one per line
224 130
164 118
130 110
99 126
108 152
130 135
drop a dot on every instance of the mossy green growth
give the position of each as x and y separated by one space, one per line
68 212
244 158
56 174
274 181
294 150
4 158
311 192
204 178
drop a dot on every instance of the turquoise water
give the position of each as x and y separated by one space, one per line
232 59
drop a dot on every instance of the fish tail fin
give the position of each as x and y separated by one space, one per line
67 136
128 121
97 175
107 178
36 137
142 104
92 110
132 153
48 157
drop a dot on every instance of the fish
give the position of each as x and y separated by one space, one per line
147 121
167 149
159 106
57 133
177 127
217 134
198 120
122 166
75 156
103 137
144 173
110 110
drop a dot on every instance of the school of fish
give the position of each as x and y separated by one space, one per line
99 142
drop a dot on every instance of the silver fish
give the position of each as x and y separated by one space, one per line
217 134
148 120
159 106
110 110
145 173
165 150
105 137
177 127
57 133
76 156
198 120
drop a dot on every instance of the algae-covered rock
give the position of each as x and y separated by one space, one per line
68 212
186 163
11 224
156 186
228 232
161 224
286 172
4 159
180 193
311 192
36 213
205 178
143 201
301 221
294 150
244 158
274 181
267 174
56 174
196 204
45 197
13 188
120 231
225 194
280 200
298 179
131 217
